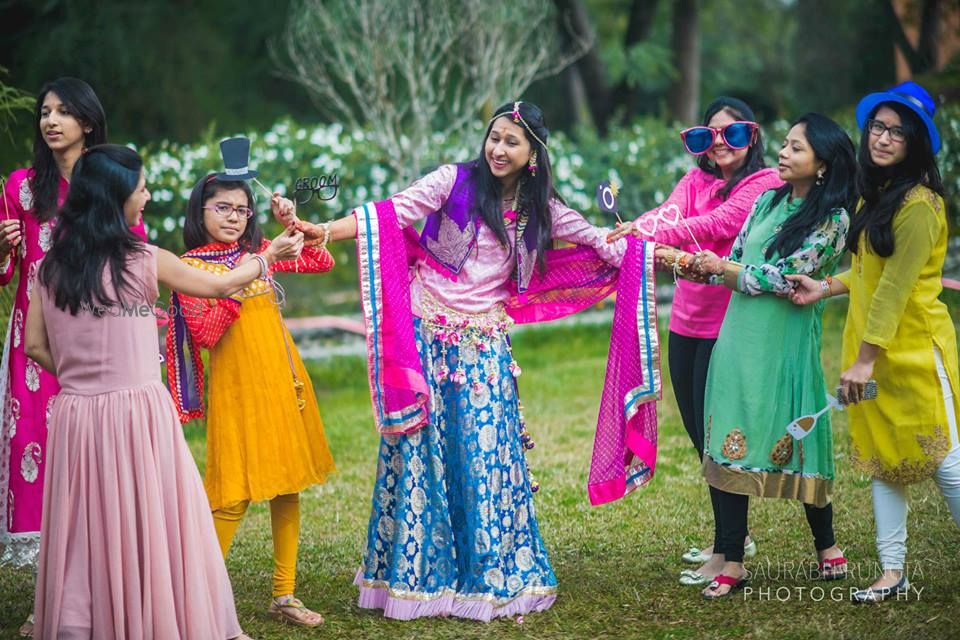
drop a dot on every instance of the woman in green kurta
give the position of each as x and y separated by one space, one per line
765 370
898 331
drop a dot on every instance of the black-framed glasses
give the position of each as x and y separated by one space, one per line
223 210
876 127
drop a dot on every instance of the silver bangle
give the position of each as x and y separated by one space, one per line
326 233
264 269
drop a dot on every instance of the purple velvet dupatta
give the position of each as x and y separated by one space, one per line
624 455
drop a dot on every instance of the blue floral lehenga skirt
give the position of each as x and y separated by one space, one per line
453 530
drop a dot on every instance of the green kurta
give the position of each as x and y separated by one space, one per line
765 369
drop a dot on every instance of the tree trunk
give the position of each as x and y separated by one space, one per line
684 97
591 72
639 26
922 56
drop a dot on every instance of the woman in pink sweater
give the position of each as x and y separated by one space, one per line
705 212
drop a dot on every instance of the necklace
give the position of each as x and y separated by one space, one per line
513 204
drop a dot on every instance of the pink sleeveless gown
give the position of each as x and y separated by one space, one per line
127 549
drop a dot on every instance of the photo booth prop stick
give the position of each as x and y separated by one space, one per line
802 426
266 191
3 194
6 210
607 198
669 216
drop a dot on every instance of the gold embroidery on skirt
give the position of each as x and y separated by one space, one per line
934 448
735 445
782 450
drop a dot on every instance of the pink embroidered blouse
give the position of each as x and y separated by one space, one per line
698 309
482 282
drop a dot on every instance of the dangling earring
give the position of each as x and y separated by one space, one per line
820 175
532 164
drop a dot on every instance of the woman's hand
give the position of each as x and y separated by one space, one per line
9 235
283 209
286 246
708 263
854 380
664 257
314 234
622 229
806 290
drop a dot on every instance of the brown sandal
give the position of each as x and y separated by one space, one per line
291 610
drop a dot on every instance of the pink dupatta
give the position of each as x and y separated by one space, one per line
624 455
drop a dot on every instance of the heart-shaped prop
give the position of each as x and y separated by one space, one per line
647 225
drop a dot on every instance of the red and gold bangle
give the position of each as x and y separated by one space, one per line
825 285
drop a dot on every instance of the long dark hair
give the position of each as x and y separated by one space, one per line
884 188
92 232
194 231
535 191
83 104
833 146
753 162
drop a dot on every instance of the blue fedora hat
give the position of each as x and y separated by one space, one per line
236 160
910 95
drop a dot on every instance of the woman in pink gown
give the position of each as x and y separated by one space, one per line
69 118
133 553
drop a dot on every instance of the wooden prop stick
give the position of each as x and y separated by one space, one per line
3 194
265 190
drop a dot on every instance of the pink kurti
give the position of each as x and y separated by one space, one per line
27 390
482 281
698 309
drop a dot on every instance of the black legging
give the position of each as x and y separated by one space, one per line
732 523
689 360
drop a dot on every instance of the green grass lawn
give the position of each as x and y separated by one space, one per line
617 564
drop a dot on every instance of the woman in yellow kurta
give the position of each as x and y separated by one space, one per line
265 438
898 332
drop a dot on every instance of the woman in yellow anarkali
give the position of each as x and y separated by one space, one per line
898 332
265 437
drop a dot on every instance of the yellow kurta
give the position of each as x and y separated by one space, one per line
903 435
259 444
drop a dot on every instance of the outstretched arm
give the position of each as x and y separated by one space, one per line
821 248
414 203
173 273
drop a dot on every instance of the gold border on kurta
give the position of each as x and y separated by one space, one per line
768 484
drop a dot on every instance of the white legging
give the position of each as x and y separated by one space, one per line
890 499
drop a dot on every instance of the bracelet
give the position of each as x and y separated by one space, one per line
264 270
825 287
326 233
